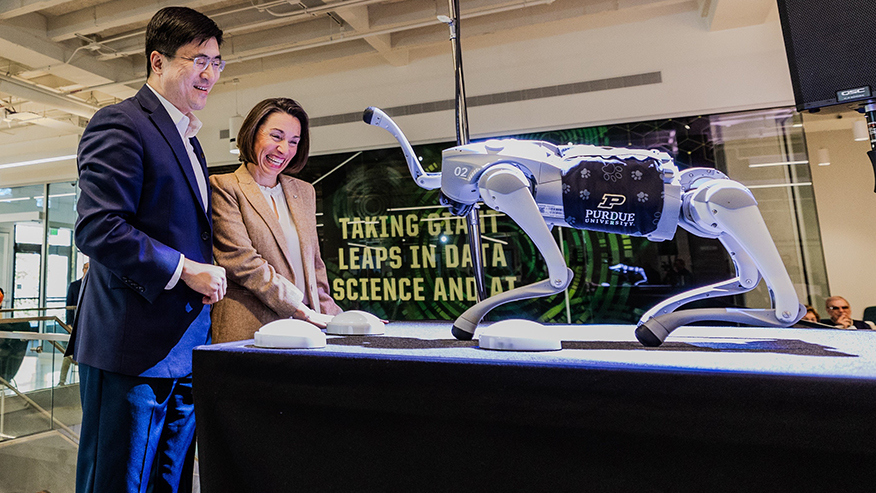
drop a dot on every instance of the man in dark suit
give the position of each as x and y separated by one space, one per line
73 294
72 300
144 221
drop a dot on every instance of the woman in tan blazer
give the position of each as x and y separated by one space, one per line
264 228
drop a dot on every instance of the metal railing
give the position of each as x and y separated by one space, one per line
31 336
44 318
52 338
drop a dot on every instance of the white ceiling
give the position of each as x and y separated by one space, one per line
61 60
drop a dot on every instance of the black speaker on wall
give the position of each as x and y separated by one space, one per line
831 46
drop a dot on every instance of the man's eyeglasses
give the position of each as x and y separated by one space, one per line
838 307
201 62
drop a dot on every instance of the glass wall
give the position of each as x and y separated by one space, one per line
36 223
766 150
392 250
21 240
38 260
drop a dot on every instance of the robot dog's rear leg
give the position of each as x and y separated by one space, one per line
656 324
727 209
747 278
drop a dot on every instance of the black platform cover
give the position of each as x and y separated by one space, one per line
416 410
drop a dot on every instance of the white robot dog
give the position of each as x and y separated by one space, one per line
615 190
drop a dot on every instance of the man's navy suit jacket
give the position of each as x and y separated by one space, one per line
139 209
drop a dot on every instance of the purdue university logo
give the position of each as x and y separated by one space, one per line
610 217
609 200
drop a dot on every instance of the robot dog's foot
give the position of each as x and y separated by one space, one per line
460 334
654 331
646 336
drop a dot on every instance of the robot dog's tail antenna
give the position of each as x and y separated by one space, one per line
429 181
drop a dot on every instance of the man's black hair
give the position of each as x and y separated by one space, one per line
172 27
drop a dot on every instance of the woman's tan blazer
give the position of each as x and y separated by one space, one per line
249 243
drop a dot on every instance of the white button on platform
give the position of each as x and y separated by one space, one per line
518 335
355 322
290 334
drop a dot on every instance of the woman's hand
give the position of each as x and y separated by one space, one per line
319 319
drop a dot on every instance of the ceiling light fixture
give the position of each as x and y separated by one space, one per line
234 124
782 185
823 157
778 163
37 161
859 130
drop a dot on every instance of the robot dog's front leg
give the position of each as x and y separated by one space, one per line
725 209
470 173
503 187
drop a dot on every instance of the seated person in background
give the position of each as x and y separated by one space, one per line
811 315
811 320
840 314
264 228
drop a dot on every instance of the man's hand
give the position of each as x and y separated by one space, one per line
207 279
844 320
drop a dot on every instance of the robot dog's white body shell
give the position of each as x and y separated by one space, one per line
545 164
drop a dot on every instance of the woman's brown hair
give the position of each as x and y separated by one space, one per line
253 122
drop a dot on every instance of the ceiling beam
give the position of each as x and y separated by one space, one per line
732 14
251 33
259 67
357 18
65 126
23 90
15 8
111 15
23 41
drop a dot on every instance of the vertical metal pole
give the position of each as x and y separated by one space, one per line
568 303
2 411
44 249
462 138
44 257
870 110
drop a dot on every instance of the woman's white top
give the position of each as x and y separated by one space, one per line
277 202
